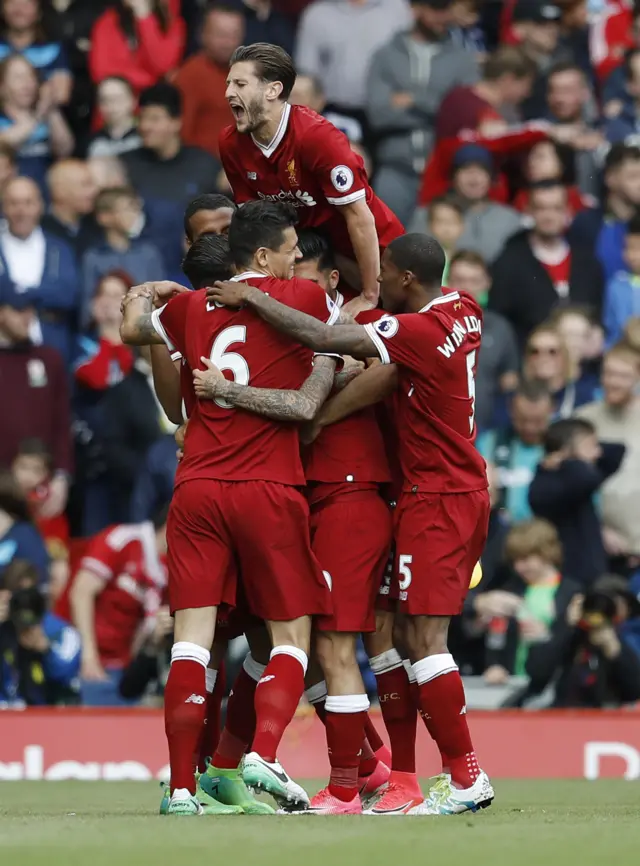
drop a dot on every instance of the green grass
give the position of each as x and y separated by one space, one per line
541 823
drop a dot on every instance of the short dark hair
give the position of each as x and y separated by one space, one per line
421 254
533 391
315 248
33 447
107 198
446 200
508 60
620 153
12 499
226 8
546 184
207 260
121 80
165 96
562 433
258 224
469 257
566 66
207 201
633 226
272 63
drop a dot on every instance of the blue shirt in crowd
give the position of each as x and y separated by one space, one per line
23 541
621 302
516 465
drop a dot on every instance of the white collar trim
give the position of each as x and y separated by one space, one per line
269 149
451 296
339 301
248 275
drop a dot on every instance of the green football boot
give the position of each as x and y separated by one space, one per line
228 787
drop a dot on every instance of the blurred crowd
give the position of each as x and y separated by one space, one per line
510 131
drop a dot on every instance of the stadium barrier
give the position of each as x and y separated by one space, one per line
115 745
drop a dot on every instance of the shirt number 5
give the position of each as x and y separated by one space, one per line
231 361
471 382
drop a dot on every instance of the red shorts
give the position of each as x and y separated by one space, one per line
257 528
351 536
388 591
439 539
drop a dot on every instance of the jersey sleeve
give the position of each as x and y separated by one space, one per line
338 170
309 298
102 557
233 170
170 321
402 339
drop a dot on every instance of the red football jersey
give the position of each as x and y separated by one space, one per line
436 351
226 443
125 558
310 165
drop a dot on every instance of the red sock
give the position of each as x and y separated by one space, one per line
398 709
317 695
240 726
345 732
277 697
443 704
415 694
211 728
378 746
184 711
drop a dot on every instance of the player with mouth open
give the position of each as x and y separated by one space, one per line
431 342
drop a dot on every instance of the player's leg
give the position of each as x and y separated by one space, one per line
198 560
436 566
285 587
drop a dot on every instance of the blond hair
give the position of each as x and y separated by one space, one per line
531 538
571 369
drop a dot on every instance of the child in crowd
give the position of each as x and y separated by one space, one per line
445 222
32 469
622 293
119 212
466 30
574 468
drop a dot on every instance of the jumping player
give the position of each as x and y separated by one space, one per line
283 152
442 516
237 497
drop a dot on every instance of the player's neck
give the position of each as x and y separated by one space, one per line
266 132
485 90
418 297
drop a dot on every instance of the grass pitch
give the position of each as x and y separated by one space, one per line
116 824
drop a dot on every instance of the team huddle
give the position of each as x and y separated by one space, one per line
329 486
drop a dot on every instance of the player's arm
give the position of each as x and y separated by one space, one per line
281 405
87 586
347 339
361 227
138 327
166 381
367 389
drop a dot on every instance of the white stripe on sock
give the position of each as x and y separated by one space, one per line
292 651
385 662
346 704
434 666
210 677
184 650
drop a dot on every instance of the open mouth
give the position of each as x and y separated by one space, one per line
238 111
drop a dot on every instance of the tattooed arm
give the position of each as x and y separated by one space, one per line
373 385
281 405
137 328
346 339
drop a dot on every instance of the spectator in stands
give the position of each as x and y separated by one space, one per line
267 22
499 362
625 122
488 106
147 673
39 266
203 78
118 586
488 225
154 482
603 229
8 167
23 31
326 49
515 449
19 538
547 360
133 421
119 131
140 40
107 172
622 292
584 339
40 661
403 97
102 363
308 91
538 591
30 120
591 656
616 418
549 161
574 468
466 30
119 212
445 223
536 26
572 111
166 173
547 267
72 193
207 214
35 396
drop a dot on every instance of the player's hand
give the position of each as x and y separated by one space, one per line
208 383
92 671
359 304
159 291
229 293
308 433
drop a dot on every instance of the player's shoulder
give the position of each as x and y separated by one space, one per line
452 303
123 536
229 138
307 125
367 317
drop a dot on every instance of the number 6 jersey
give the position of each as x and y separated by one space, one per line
436 352
231 444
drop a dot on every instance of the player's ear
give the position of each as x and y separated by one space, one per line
262 256
274 91
334 279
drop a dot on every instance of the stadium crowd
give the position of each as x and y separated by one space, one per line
507 131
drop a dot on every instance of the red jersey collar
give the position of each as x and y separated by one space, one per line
450 296
269 149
